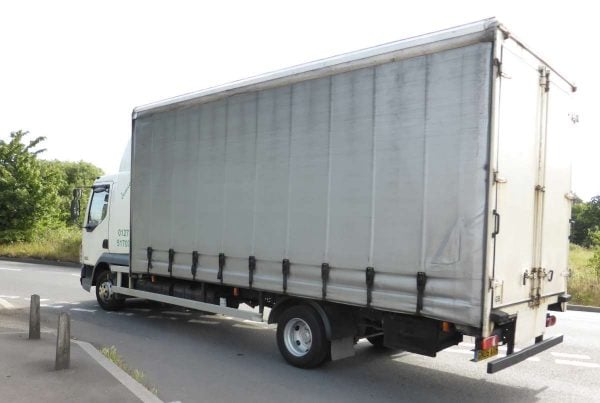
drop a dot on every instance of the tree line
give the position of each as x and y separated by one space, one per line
36 194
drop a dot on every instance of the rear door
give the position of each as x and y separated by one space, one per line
557 190
532 188
516 178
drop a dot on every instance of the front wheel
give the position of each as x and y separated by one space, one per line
107 299
301 337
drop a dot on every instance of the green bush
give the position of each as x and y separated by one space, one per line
584 283
60 244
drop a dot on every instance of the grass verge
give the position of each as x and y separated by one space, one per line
112 354
59 244
584 284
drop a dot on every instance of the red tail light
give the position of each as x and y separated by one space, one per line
489 342
550 320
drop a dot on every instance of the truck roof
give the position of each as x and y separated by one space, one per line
462 35
475 32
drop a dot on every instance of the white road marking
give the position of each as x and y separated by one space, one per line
82 310
176 313
578 364
573 356
459 351
10 296
204 322
75 275
7 269
243 326
471 353
54 306
6 304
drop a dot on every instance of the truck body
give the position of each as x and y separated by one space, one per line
410 193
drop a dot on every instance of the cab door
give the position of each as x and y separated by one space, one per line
95 228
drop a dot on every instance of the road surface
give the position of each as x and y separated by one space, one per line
192 357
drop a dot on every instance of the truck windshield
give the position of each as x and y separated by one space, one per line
98 206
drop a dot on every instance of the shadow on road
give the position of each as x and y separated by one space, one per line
187 352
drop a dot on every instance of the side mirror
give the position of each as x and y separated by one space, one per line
90 227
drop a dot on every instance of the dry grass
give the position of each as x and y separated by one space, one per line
60 244
112 354
584 284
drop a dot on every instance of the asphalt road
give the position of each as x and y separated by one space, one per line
193 357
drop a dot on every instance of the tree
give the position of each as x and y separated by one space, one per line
28 197
71 175
587 222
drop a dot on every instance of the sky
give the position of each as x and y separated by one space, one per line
73 71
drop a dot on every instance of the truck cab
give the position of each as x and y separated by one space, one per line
105 237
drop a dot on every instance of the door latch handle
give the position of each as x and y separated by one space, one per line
496 223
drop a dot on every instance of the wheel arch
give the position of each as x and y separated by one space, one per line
106 260
99 268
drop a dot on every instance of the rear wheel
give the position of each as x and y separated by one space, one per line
107 299
301 337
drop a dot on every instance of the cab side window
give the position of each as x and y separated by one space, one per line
98 206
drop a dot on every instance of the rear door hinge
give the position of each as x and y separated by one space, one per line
545 79
501 73
498 178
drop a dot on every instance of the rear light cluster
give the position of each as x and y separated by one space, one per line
489 342
550 320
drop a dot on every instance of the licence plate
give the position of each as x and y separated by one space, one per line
485 354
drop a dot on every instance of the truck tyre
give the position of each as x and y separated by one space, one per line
301 337
108 300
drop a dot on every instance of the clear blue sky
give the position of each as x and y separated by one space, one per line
73 71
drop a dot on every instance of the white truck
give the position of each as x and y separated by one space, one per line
411 194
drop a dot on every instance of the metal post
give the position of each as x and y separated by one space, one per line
63 342
34 317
